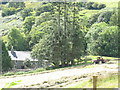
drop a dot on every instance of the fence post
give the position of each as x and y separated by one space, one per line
95 82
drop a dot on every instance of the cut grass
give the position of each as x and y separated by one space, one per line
21 73
110 81
90 66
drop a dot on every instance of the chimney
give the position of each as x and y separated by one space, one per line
12 50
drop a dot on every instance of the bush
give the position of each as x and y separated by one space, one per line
9 74
89 5
19 73
105 16
93 19
94 5
16 4
8 11
44 8
100 6
4 2
28 63
26 12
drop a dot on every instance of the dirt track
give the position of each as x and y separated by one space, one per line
57 75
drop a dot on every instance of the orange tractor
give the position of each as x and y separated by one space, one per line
99 60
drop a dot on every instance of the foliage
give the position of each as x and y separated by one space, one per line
47 7
4 2
15 39
89 5
92 37
56 31
9 74
93 19
109 40
114 19
103 40
34 36
12 8
27 24
27 63
100 6
104 16
94 5
6 60
26 12
59 45
8 11
16 4
11 84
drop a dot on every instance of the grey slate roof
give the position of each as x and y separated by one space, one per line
20 55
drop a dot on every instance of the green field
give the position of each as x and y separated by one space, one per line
110 81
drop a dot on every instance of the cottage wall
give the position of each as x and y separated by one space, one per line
19 64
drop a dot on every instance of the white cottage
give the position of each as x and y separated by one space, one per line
18 58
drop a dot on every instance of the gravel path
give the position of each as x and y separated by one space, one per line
35 79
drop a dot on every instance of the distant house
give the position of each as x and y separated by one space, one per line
19 57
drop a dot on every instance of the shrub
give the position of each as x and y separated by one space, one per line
26 12
39 70
4 2
93 19
89 5
44 8
19 73
16 4
27 63
104 16
94 5
100 6
9 74
8 11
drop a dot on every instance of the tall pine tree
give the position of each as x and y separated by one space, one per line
5 59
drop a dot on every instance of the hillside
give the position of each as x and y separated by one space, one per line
61 33
62 37
15 20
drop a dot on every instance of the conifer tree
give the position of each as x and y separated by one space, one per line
6 60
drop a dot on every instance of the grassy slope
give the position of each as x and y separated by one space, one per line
110 81
110 4
88 13
32 4
14 20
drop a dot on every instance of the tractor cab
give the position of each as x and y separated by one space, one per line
99 60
